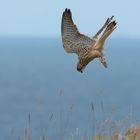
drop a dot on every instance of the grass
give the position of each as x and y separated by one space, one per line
108 130
131 133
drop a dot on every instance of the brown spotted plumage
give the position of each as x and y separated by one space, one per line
85 47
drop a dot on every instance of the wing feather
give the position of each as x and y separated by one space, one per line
73 40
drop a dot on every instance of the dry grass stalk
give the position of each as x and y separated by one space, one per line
100 137
25 134
29 136
133 133
114 137
42 138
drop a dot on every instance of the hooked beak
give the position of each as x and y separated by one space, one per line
80 70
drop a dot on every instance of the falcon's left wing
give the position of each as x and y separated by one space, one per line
73 40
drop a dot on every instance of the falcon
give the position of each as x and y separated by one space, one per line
85 47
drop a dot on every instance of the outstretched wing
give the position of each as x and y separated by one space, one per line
73 41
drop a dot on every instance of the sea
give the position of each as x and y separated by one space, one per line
41 90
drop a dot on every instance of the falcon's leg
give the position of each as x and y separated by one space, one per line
103 62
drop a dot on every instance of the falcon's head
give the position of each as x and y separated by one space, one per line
80 67
83 62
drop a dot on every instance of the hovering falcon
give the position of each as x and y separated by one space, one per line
85 47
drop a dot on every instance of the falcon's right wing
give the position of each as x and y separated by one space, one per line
103 27
73 41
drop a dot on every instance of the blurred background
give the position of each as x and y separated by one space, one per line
43 18
38 78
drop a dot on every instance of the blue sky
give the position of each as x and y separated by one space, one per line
43 17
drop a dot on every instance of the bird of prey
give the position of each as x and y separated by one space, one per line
85 47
